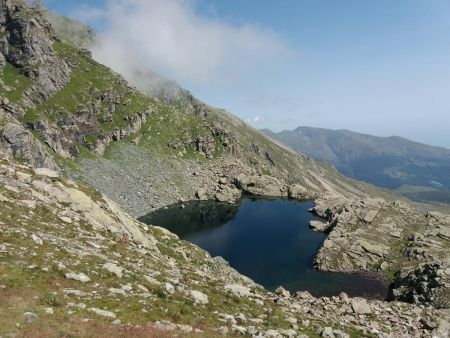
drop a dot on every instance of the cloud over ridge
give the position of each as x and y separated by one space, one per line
172 38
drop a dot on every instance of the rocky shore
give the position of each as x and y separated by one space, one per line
390 239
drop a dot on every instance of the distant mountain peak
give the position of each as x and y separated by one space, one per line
385 161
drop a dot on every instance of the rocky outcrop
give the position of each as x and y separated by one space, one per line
387 238
297 191
262 185
27 44
64 135
21 144
134 124
429 284
226 192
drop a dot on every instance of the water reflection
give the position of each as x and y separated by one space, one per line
267 240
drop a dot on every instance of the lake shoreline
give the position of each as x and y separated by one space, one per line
248 231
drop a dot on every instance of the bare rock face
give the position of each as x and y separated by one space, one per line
64 136
21 144
28 45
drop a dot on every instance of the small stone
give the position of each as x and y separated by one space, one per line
46 172
327 333
344 297
23 177
117 291
114 269
81 277
238 290
65 219
103 313
49 310
303 295
60 266
127 288
198 297
282 292
396 234
152 280
384 266
240 318
29 316
37 239
169 288
370 216
142 288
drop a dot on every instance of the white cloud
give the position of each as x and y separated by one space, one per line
171 37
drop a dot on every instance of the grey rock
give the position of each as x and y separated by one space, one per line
199 297
30 316
103 313
114 269
81 277
282 292
23 145
360 306
297 191
260 185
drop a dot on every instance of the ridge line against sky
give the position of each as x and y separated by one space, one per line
378 67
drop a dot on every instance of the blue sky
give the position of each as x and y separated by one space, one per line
380 67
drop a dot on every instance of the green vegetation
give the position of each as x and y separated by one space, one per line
91 84
172 129
14 83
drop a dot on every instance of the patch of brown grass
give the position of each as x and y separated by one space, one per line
95 329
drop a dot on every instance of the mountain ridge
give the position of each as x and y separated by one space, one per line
390 162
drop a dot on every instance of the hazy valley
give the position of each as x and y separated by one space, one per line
415 170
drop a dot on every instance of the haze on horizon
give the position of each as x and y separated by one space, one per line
379 67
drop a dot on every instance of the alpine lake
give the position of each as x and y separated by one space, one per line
268 240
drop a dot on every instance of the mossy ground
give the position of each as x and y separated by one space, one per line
14 83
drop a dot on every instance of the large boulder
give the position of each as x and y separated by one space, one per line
261 185
297 191
360 306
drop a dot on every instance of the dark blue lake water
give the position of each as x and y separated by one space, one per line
266 240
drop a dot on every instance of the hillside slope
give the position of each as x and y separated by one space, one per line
390 162
72 263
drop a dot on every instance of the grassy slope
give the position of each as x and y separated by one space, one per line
88 82
13 83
